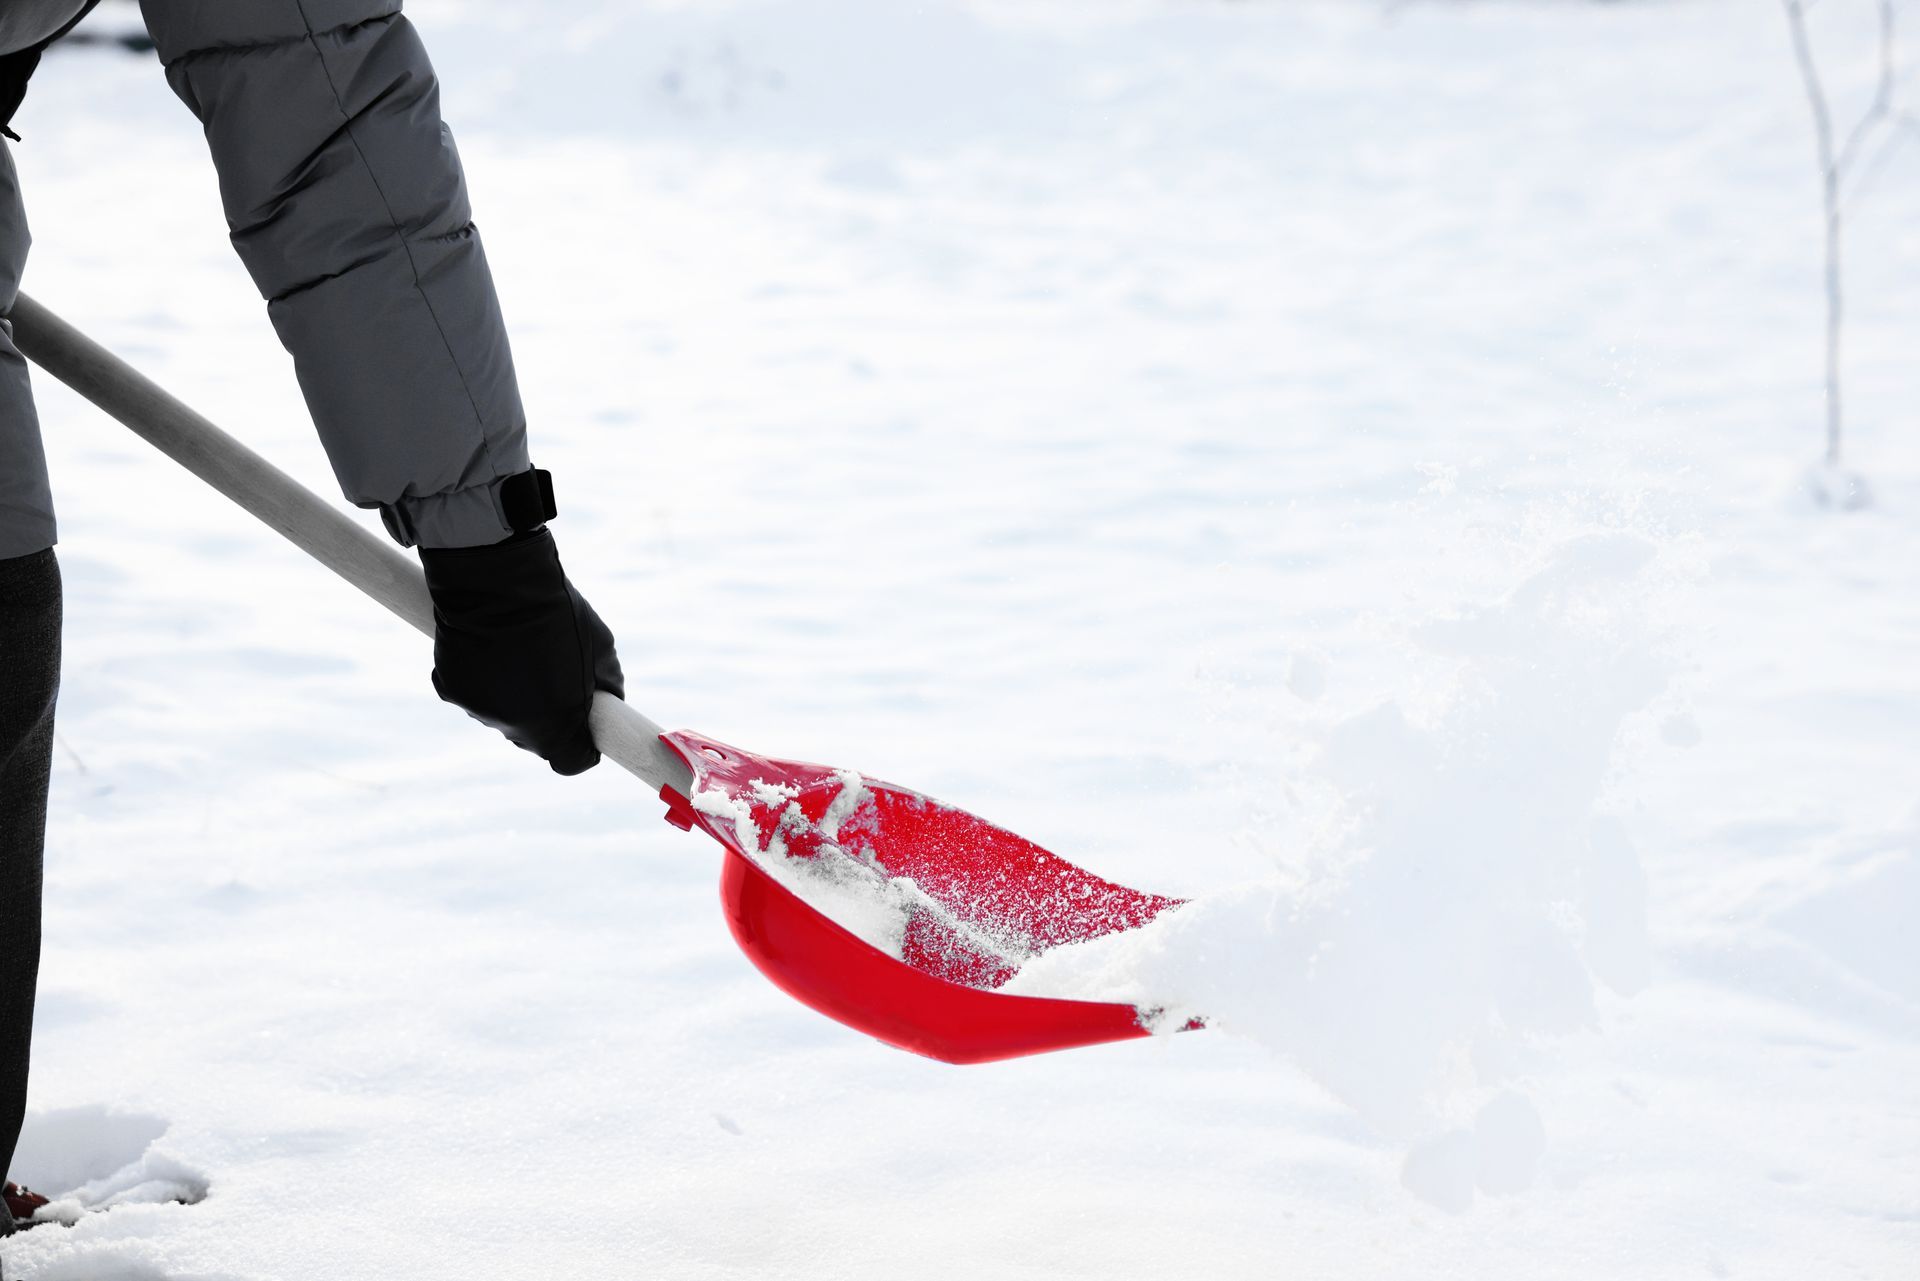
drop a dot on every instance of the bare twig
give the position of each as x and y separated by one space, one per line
1903 129
1837 163
1882 104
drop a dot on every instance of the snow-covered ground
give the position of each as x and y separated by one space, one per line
1337 461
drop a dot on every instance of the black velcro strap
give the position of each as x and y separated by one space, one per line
526 500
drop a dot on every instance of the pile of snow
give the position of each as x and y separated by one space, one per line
1471 891
112 1166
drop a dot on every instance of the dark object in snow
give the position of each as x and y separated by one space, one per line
518 647
23 1210
131 41
21 1204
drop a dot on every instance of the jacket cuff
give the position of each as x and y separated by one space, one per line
463 518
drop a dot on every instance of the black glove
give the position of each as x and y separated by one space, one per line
518 648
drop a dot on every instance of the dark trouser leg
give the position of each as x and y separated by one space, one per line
29 676
29 682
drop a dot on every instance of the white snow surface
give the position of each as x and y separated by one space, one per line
1344 464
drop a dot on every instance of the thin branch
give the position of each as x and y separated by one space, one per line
1882 104
1839 164
1830 201
1902 127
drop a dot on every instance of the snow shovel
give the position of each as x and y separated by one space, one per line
943 907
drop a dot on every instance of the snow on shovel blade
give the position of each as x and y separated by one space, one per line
896 915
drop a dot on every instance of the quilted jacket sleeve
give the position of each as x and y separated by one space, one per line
345 199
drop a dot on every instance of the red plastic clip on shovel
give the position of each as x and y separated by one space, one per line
970 901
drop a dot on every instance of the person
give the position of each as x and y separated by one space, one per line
346 202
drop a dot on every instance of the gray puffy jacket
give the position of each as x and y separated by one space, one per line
345 200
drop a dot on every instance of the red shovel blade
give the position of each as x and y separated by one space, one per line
956 904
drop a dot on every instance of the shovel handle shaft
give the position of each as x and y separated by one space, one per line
309 522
